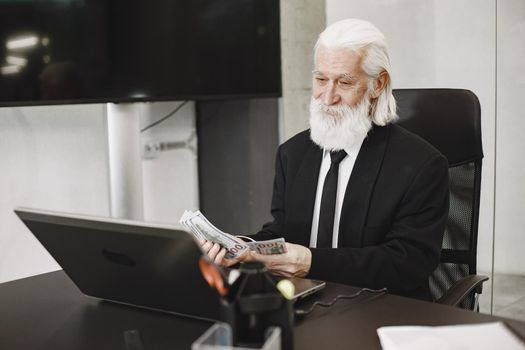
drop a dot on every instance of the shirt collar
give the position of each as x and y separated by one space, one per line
351 151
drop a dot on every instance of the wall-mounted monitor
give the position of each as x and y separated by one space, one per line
89 51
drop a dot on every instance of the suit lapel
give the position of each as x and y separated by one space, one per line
360 187
302 196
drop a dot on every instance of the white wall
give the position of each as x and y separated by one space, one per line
53 158
171 180
56 158
465 58
510 175
441 43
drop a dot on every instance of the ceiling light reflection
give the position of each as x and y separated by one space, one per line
9 70
139 95
17 61
22 42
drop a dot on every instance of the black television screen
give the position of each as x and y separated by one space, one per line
83 51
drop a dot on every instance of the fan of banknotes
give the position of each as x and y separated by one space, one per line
202 228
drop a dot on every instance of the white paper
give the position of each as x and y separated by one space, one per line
483 336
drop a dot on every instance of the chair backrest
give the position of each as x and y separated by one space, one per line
450 120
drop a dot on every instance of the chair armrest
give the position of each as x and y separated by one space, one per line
461 289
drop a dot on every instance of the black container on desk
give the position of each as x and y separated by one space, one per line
253 304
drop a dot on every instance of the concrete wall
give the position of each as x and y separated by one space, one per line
301 23
238 140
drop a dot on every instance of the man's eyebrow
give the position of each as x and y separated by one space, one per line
347 76
344 75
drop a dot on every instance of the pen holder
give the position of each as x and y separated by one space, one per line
253 304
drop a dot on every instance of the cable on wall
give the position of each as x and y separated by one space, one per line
175 110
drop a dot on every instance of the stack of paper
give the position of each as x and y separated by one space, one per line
483 336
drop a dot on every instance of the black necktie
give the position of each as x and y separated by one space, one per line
327 211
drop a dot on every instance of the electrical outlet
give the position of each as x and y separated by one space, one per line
151 150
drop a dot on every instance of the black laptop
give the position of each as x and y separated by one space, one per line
130 262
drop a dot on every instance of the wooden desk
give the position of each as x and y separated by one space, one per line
48 312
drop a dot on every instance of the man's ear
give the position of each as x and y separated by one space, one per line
380 84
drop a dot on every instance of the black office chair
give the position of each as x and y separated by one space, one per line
450 120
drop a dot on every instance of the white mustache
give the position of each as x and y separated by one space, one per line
334 110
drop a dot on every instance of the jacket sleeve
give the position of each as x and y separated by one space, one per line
411 247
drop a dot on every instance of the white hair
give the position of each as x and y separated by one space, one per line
340 126
365 39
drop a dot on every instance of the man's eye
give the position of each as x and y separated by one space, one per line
345 83
321 80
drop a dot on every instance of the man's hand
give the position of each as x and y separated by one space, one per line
216 254
294 263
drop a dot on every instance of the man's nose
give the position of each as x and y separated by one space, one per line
330 95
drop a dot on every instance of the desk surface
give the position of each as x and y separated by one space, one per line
49 312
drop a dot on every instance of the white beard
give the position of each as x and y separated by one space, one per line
339 127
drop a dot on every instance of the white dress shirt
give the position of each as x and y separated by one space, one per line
345 169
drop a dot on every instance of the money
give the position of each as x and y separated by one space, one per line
273 246
202 228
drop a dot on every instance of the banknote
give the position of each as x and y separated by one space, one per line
184 220
202 228
273 246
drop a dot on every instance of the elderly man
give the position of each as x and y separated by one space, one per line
361 201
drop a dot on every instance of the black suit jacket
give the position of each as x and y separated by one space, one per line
393 215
